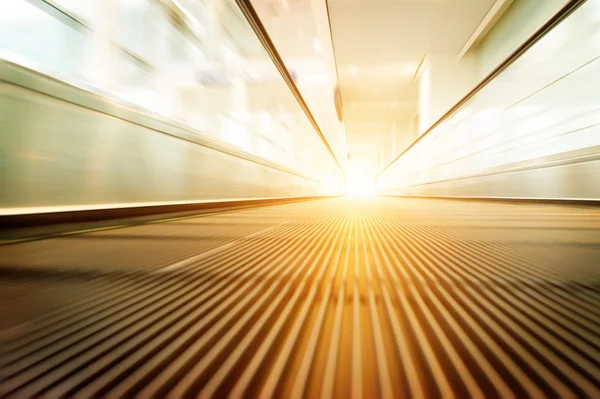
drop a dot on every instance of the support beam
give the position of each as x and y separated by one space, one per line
487 23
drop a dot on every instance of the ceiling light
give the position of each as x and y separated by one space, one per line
353 70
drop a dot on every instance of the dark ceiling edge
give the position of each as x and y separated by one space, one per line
253 19
337 74
556 19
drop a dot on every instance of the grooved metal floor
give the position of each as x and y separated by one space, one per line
333 298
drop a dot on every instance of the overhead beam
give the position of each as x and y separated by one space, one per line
486 24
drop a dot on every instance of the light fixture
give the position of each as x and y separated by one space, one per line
353 70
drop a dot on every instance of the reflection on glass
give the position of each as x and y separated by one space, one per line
196 62
31 33
544 104
300 32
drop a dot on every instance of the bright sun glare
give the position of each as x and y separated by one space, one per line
361 187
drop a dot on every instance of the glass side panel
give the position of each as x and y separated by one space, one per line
545 104
196 62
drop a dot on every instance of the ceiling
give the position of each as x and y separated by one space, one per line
379 45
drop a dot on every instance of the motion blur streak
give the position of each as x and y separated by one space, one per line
112 102
300 198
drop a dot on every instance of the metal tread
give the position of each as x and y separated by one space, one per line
346 298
